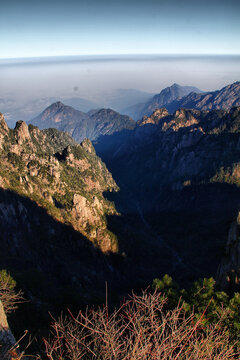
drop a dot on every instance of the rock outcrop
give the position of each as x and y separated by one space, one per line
67 181
21 132
7 340
155 118
4 130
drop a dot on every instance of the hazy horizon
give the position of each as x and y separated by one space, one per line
29 86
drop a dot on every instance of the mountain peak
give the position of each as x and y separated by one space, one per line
22 132
58 104
3 125
82 125
167 96
4 130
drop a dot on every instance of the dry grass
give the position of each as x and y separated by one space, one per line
139 329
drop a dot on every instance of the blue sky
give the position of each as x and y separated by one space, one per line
30 28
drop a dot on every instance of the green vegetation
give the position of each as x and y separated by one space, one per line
16 160
206 301
8 295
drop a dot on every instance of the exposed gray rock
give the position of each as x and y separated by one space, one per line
7 340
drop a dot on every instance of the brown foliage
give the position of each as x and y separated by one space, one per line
139 329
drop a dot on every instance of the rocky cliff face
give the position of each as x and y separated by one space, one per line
82 125
54 230
181 172
69 184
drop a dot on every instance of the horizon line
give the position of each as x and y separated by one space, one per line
116 55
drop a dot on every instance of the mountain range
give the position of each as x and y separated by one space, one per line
226 98
95 123
176 97
82 125
19 106
165 97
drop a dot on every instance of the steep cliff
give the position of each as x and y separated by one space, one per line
54 234
67 181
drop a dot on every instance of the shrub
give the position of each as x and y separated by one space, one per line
139 329
9 297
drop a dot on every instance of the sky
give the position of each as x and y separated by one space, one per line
34 28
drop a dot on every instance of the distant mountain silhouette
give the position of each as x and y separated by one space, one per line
225 98
82 125
160 100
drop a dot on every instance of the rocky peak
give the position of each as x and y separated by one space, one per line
58 104
4 130
3 125
87 145
21 131
154 118
184 113
55 107
68 154
181 118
